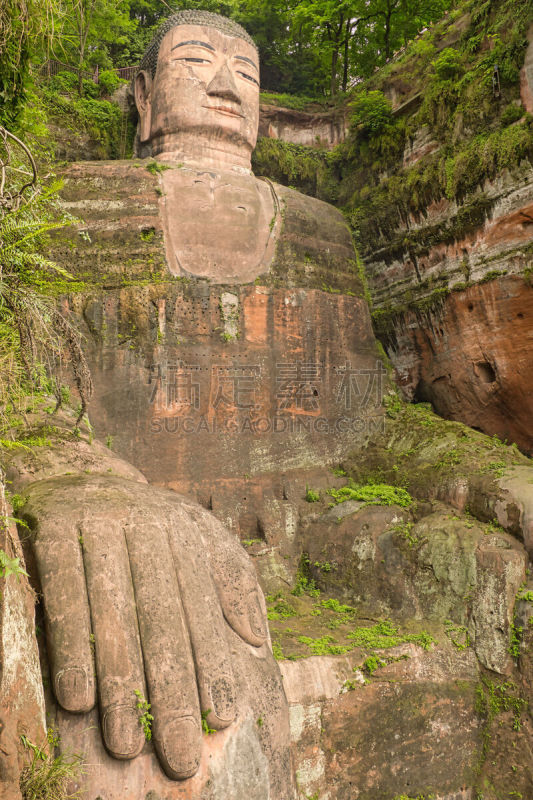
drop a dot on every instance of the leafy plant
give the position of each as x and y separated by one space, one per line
457 634
145 718
156 168
205 725
448 64
46 778
10 566
279 608
33 332
377 494
385 634
311 495
108 81
371 111
372 664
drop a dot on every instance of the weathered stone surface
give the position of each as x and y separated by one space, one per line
257 379
384 565
526 76
411 730
21 694
106 527
422 144
311 129
464 347
470 356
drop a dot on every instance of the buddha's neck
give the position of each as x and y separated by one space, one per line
187 148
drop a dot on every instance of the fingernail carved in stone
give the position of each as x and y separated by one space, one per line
73 691
181 745
222 706
257 621
123 733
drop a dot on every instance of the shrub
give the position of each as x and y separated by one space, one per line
90 89
371 111
109 82
511 114
448 64
64 82
46 778
377 494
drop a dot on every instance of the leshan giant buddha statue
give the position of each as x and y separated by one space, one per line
145 594
197 95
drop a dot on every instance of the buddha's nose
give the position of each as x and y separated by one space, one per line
224 86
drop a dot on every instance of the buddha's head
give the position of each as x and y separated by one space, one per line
197 90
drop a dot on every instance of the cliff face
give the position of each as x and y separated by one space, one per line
22 711
436 180
384 617
399 597
267 380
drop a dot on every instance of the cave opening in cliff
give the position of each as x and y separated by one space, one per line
486 372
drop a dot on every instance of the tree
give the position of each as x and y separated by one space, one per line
25 26
90 30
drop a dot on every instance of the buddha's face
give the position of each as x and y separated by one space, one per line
206 84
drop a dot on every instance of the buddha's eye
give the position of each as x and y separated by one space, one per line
247 77
191 60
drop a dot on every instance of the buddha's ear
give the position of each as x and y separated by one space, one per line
143 101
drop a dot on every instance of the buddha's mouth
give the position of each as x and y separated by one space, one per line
227 110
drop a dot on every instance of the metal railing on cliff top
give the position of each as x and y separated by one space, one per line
53 67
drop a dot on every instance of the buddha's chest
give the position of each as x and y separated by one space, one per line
218 225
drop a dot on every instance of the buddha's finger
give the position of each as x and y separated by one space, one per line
58 556
241 598
207 628
117 645
168 659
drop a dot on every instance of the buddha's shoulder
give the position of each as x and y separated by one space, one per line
315 246
307 216
120 206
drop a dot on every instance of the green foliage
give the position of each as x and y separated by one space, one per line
33 332
404 529
448 64
372 663
205 725
293 165
145 718
371 111
156 168
457 634
304 582
278 608
515 639
324 646
311 495
381 636
64 82
511 114
495 699
378 494
108 81
385 634
10 566
99 118
289 100
45 778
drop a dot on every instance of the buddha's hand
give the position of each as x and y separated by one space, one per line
138 581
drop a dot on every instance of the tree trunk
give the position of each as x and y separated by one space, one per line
388 16
336 42
346 55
